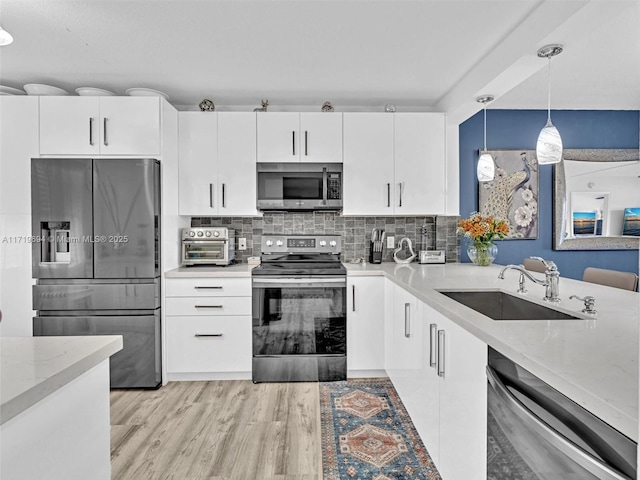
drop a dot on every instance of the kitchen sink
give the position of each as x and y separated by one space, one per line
498 305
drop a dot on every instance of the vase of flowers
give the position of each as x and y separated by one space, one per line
482 231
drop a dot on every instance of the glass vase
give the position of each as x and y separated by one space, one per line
482 254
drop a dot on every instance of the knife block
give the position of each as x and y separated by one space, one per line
375 256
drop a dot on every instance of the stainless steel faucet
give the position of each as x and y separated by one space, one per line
551 279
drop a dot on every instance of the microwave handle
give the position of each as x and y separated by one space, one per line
324 185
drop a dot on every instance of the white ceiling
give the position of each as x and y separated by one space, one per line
428 55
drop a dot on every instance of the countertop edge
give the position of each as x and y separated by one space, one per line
28 398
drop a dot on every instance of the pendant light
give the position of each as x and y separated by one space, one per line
5 37
549 145
486 167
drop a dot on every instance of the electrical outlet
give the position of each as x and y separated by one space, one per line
391 242
242 244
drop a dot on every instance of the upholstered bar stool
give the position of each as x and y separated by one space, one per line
612 278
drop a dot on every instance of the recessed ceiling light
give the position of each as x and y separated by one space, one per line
5 37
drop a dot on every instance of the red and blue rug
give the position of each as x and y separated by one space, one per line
368 435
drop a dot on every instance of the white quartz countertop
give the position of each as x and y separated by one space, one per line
32 368
593 361
199 271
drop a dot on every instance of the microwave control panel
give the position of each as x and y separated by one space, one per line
334 186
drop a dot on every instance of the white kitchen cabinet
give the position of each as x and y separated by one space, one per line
419 163
217 157
368 164
299 137
100 125
365 323
451 419
198 161
237 163
394 164
208 328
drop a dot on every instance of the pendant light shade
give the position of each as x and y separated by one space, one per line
5 37
549 144
486 169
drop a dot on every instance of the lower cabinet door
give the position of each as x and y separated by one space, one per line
208 344
365 323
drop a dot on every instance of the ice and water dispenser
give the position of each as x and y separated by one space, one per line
55 242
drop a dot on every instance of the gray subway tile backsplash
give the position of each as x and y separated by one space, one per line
434 232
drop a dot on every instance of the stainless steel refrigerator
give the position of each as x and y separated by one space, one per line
96 257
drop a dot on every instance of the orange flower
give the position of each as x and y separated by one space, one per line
483 229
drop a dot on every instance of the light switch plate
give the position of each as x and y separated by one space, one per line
391 242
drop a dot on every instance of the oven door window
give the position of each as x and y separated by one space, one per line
299 320
204 250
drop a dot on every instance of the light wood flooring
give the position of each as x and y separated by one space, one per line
222 430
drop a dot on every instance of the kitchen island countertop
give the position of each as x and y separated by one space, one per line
32 368
593 360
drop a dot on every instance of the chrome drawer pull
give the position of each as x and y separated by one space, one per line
441 353
217 287
407 320
208 335
433 346
208 306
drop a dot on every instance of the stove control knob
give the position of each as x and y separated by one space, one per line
192 234
323 243
333 243
207 233
269 243
279 243
216 233
200 234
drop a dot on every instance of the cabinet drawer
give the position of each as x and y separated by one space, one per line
208 306
208 287
208 344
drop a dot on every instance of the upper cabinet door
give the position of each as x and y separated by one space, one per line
130 125
419 163
99 126
198 163
237 163
278 137
368 164
70 125
321 137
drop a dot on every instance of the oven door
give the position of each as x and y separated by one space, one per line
207 252
299 329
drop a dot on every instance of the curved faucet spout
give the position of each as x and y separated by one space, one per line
523 271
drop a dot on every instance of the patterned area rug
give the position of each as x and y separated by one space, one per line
368 435
503 462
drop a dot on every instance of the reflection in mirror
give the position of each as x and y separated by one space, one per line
592 190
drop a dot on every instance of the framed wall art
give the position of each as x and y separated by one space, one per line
513 194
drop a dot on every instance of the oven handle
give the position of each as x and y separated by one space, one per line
306 282
204 240
555 439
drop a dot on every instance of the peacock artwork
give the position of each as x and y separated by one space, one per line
513 194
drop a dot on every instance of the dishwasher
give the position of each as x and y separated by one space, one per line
536 433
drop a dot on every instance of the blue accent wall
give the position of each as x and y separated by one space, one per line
516 129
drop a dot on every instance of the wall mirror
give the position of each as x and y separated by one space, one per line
596 198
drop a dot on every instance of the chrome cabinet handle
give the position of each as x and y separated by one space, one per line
224 200
400 185
104 128
91 131
305 143
211 195
433 346
441 353
407 320
208 335
208 306
353 295
388 195
293 143
215 287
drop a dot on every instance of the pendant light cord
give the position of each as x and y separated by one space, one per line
549 93
485 128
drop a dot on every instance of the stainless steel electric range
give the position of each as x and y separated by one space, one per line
299 310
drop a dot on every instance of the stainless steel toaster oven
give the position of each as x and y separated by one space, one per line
208 246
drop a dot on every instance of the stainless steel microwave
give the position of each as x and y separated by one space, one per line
299 186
